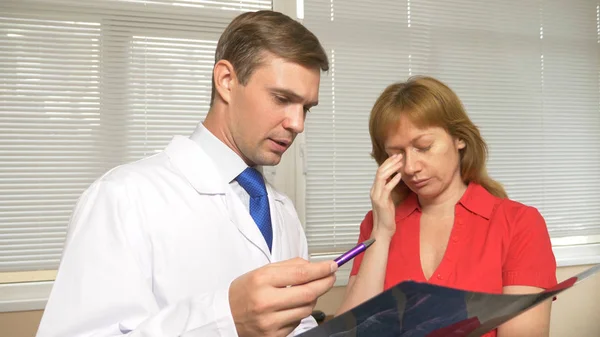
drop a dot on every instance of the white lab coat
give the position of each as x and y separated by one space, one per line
153 246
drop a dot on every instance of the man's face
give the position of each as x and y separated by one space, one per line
267 113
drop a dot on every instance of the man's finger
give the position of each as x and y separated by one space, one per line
305 294
292 317
286 330
294 274
290 262
294 320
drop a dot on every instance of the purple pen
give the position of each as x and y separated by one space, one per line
349 255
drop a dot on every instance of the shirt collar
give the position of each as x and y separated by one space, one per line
476 199
229 163
407 206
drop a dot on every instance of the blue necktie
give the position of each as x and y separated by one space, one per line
252 181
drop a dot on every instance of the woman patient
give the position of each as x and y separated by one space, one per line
438 217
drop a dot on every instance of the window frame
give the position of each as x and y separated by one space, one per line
23 291
29 290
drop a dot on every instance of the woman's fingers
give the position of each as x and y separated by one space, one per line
393 182
383 177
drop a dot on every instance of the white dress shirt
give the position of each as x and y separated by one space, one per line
229 163
153 246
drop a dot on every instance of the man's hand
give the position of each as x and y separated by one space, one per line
272 300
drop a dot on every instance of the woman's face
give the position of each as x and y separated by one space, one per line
431 160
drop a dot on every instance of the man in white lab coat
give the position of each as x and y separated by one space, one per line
191 241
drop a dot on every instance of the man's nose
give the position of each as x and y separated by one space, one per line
294 121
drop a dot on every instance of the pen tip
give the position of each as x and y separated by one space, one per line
369 242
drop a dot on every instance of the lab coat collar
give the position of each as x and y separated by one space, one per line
195 165
199 170
202 174
230 164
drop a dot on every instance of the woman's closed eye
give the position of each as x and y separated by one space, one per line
423 148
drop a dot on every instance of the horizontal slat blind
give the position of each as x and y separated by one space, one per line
570 63
169 88
339 168
527 72
86 85
50 133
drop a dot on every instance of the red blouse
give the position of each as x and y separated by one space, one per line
494 243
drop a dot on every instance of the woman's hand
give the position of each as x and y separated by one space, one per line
384 210
369 282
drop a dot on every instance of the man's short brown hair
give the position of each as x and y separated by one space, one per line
250 35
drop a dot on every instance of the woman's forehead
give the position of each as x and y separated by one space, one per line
405 130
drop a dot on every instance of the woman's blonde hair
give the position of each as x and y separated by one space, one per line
428 102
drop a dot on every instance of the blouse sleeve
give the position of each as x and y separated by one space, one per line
366 227
529 260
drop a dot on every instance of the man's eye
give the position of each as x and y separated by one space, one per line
282 100
423 149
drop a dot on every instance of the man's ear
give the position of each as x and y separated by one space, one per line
224 76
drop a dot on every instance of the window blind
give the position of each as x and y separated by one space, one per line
339 170
86 85
527 72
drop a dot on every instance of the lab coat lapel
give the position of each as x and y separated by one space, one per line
240 216
202 174
275 202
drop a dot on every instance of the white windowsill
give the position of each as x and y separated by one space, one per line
34 295
24 296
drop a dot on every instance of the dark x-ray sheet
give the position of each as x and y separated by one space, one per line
412 309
